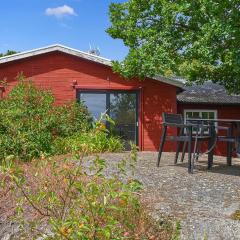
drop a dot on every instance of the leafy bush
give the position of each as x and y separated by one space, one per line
65 199
92 141
30 122
69 119
97 140
31 125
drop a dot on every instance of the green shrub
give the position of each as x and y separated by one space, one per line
92 142
65 199
31 125
69 119
30 122
97 140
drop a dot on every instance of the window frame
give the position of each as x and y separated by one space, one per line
108 92
214 111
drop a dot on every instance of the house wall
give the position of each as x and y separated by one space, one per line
223 112
57 71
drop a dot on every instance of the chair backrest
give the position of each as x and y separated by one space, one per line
172 118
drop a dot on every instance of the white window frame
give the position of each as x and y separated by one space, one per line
201 111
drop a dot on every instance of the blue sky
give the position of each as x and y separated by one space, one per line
29 24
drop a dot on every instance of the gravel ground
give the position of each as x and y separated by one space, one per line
203 201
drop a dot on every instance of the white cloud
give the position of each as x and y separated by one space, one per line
60 11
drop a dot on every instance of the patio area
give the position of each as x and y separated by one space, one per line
203 202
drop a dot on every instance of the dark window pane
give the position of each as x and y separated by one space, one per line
123 112
122 108
205 115
211 115
189 114
196 114
95 102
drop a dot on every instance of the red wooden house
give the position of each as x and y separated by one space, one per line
135 105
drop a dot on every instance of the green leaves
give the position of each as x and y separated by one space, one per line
30 122
194 39
83 206
9 52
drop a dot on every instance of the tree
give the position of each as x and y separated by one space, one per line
9 52
198 40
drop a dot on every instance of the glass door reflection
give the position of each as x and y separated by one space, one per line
121 106
123 110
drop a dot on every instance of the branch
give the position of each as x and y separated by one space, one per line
30 201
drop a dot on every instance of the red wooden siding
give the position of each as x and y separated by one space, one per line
57 71
223 111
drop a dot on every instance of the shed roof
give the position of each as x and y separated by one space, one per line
60 48
207 93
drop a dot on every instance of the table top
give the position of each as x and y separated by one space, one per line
216 120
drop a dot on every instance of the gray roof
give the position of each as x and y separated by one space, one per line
208 93
91 57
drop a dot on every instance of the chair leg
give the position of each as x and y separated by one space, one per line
198 150
229 147
210 154
177 152
178 147
162 141
183 151
229 154
190 164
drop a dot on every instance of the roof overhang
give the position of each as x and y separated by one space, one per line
80 54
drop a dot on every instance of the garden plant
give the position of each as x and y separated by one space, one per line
48 185
32 126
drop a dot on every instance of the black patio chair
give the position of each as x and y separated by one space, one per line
184 135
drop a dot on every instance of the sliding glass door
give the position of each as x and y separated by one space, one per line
121 106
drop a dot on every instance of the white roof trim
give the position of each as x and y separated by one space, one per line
53 48
77 53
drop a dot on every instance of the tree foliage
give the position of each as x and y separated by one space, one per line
198 40
9 52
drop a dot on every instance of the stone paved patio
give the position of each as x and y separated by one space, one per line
203 201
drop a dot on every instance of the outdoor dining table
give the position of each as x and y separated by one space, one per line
234 124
